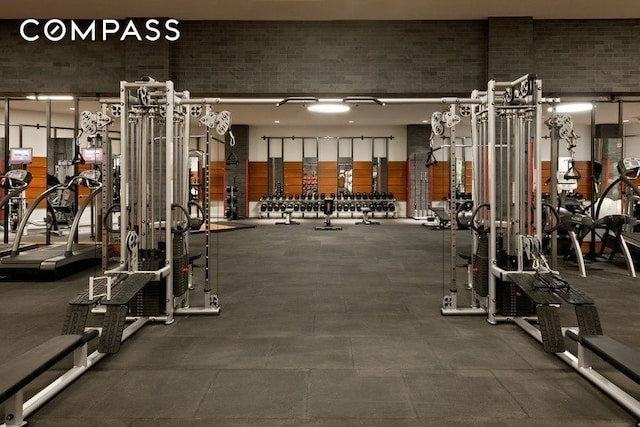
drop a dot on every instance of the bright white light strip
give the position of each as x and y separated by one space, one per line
51 97
328 108
574 107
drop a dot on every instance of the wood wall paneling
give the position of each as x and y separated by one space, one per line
292 177
362 179
258 180
218 182
397 179
327 177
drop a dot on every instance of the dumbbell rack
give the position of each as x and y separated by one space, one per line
231 211
346 206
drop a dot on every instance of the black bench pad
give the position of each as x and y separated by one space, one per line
17 373
527 283
618 355
128 288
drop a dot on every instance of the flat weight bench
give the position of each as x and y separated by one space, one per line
616 354
19 372
443 217
365 217
287 218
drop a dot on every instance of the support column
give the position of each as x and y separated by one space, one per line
417 148
236 174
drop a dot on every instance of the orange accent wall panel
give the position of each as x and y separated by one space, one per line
327 177
440 181
258 180
292 177
585 184
38 185
362 180
397 179
216 190
84 191
468 176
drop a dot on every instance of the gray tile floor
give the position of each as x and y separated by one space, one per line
333 328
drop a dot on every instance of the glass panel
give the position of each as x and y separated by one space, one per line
310 166
345 166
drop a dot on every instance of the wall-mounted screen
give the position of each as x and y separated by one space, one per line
93 156
20 156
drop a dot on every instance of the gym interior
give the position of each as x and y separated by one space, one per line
320 213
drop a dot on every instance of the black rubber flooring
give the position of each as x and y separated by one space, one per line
326 328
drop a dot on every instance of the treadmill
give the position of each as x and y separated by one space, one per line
58 259
630 240
14 182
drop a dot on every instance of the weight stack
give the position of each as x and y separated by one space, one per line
511 301
149 301
481 267
180 267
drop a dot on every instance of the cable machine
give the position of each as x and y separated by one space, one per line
151 280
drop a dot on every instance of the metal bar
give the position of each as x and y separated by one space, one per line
53 219
538 158
169 178
5 221
453 227
491 136
554 141
125 128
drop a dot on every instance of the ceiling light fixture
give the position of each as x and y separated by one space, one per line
50 97
574 107
327 108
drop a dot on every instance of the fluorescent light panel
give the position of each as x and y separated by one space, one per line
328 108
51 97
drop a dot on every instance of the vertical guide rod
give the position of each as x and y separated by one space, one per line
53 219
554 194
207 212
6 162
452 205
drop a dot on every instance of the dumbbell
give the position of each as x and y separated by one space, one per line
270 207
392 207
352 207
316 206
290 206
385 206
333 195
390 196
358 207
263 207
276 207
309 206
296 207
379 207
303 207
297 197
339 207
322 196
358 196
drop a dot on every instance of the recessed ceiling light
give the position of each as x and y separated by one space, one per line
328 108
351 121
72 108
625 121
426 121
574 107
276 121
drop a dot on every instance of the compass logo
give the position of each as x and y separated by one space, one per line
56 30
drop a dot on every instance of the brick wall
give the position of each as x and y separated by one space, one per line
510 43
596 56
337 57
